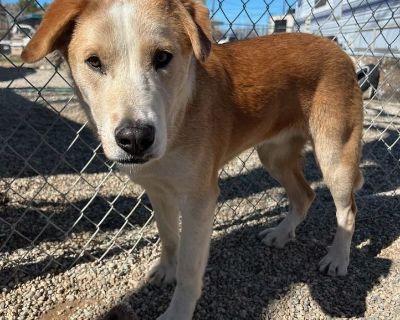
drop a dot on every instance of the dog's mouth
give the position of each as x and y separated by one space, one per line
132 160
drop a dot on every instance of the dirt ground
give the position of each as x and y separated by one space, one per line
76 238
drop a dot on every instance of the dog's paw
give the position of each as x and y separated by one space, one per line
335 263
162 317
165 316
278 236
162 273
170 314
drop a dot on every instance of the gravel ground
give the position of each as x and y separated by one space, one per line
76 239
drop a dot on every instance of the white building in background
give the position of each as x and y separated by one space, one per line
362 28
283 23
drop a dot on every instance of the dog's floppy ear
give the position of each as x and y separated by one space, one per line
198 27
55 29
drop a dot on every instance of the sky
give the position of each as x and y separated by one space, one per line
258 12
255 8
232 10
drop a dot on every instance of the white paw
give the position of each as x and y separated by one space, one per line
164 316
170 315
162 273
335 263
278 236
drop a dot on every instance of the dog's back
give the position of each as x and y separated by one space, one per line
264 86
283 67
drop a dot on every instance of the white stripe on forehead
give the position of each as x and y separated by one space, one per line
133 19
133 27
128 28
122 16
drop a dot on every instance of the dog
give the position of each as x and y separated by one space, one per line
171 108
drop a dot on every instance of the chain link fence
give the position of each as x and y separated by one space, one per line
62 204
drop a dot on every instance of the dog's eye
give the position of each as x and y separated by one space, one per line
94 63
162 59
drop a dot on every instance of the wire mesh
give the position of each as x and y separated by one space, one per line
62 203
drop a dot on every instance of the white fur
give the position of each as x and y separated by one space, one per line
145 102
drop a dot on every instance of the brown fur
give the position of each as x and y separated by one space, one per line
55 23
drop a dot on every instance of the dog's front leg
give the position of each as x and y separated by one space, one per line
166 211
197 219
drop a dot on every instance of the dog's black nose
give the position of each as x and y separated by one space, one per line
135 139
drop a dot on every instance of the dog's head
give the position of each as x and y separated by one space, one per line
133 65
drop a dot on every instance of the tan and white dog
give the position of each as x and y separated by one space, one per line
172 108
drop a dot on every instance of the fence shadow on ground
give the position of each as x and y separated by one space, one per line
36 140
9 74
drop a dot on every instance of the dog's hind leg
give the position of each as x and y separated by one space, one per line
337 148
283 161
